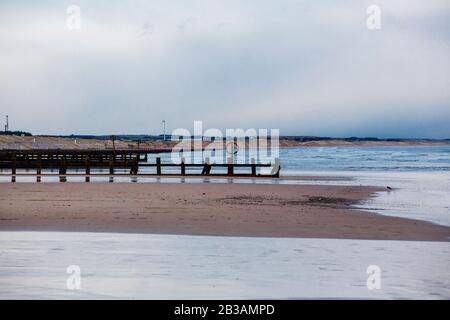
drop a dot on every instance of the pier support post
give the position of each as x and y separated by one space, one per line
88 169
13 168
276 168
230 166
39 169
111 167
63 170
253 167
135 167
158 166
206 167
111 164
183 167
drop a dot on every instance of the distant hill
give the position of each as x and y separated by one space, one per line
15 133
356 139
28 142
146 137
131 137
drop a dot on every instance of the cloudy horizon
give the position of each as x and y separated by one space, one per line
305 68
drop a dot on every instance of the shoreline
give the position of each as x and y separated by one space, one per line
241 210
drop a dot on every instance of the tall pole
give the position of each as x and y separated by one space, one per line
113 138
164 129
7 124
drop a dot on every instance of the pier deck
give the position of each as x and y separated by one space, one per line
70 162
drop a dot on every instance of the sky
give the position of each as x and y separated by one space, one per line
303 67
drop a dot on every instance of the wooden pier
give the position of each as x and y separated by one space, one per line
68 161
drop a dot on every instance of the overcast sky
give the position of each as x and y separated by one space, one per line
305 67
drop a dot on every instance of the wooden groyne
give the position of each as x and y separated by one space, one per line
68 161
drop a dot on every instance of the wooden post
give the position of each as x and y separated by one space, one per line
13 168
88 169
230 166
207 167
183 167
62 170
276 168
111 164
136 165
158 166
111 167
133 166
253 167
39 169
65 169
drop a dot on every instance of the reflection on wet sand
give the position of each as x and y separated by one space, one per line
33 265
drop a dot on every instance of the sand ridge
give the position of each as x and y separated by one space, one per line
310 211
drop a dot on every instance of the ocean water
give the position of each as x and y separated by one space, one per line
375 159
419 176
33 265
297 161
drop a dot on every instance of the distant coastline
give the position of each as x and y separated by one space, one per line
157 142
293 142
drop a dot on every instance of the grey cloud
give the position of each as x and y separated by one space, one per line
301 66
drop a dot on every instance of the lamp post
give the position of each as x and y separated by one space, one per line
164 129
113 138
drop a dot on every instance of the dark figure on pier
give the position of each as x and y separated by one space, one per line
206 169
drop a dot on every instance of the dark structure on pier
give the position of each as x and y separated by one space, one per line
130 160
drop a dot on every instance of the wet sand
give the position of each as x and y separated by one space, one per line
311 211
146 266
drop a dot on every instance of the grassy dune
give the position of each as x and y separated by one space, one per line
38 142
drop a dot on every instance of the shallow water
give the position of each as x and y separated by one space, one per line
133 266
416 195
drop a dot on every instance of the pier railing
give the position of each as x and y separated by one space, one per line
117 160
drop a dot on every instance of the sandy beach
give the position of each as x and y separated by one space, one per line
310 211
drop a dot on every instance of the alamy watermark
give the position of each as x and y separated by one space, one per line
374 280
73 281
73 20
237 145
373 21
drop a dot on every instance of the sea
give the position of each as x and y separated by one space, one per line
418 176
